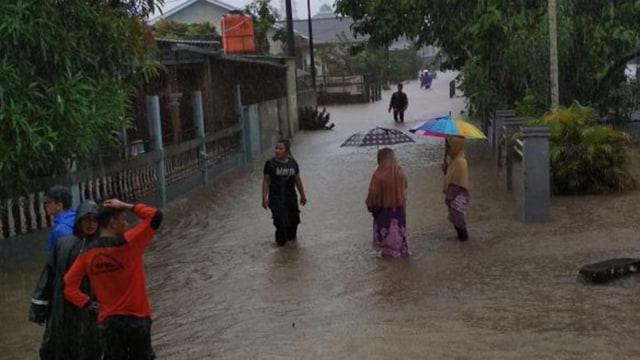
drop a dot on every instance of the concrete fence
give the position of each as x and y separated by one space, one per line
160 174
522 158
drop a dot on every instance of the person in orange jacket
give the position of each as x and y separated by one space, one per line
115 269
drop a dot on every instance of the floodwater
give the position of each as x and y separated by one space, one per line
221 289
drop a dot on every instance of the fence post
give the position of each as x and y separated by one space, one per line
497 122
237 105
76 197
536 200
155 125
198 119
174 106
486 121
510 127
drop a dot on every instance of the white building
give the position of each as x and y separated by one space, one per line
212 11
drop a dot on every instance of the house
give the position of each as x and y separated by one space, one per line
329 29
196 11
212 11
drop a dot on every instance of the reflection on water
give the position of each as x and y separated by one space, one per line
19 339
220 288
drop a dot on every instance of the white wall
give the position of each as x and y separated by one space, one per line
200 12
275 47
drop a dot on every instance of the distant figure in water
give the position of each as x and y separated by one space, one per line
386 201
279 183
399 103
456 186
427 78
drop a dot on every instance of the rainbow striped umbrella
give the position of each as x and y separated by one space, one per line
446 125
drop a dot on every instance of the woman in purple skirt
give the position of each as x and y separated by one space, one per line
386 201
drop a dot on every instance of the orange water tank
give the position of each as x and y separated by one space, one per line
237 33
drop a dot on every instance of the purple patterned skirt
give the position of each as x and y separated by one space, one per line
390 231
457 201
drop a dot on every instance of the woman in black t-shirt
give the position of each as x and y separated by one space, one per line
281 178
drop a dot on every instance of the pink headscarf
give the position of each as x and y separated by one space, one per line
388 186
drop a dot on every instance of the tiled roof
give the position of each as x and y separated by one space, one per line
327 29
188 3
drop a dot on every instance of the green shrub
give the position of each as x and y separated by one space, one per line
529 107
586 157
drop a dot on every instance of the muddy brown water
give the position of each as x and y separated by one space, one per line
221 289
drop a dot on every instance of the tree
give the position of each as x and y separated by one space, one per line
586 157
264 16
553 53
67 69
502 48
138 8
506 43
361 58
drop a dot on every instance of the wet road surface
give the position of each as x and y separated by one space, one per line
221 289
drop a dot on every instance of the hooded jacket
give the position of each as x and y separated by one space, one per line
457 171
70 332
63 225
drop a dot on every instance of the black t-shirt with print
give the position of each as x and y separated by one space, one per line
282 177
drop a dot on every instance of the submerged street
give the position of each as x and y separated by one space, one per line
221 289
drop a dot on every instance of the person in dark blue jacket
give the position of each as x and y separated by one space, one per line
57 203
69 332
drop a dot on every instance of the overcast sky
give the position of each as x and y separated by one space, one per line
300 5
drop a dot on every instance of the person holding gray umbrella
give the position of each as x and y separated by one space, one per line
386 201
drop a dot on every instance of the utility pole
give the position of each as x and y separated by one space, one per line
311 54
290 39
553 54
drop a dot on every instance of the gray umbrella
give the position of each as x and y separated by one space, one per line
378 137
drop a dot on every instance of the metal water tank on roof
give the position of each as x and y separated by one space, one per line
237 33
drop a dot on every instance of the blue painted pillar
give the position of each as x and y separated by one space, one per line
75 195
199 121
155 127
244 143
74 187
